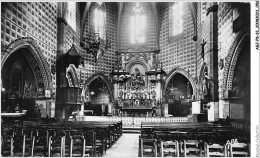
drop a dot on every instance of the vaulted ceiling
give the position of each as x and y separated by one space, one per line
85 6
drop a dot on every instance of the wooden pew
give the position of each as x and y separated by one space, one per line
113 130
180 131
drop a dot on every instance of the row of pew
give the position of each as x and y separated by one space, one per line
68 139
186 139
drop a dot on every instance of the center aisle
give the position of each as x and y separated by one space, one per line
126 146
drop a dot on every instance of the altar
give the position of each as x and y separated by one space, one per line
137 111
137 85
138 107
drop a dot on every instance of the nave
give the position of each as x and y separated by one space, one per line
110 139
126 146
127 79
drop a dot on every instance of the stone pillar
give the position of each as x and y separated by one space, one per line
60 109
212 47
208 32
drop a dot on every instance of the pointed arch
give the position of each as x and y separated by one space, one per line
105 79
231 59
35 57
182 72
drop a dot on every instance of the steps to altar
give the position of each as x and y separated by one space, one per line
131 130
133 122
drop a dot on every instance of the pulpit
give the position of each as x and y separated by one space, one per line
69 100
68 96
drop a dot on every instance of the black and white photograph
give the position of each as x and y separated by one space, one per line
130 79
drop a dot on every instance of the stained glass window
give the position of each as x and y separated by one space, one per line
100 20
176 18
71 15
203 11
137 25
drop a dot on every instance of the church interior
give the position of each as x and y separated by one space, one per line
129 79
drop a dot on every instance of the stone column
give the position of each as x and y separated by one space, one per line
211 58
60 109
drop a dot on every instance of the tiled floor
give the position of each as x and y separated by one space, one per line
126 146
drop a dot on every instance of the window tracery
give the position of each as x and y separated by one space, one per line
137 25
71 15
176 13
99 20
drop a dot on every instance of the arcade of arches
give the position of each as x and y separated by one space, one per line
88 61
139 83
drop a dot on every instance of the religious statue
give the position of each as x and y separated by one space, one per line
204 86
27 89
136 79
137 72
141 81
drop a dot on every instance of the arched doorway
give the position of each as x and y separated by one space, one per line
25 75
235 87
98 95
239 96
178 93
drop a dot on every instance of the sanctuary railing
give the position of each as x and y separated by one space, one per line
134 122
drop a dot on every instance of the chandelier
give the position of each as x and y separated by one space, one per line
95 45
